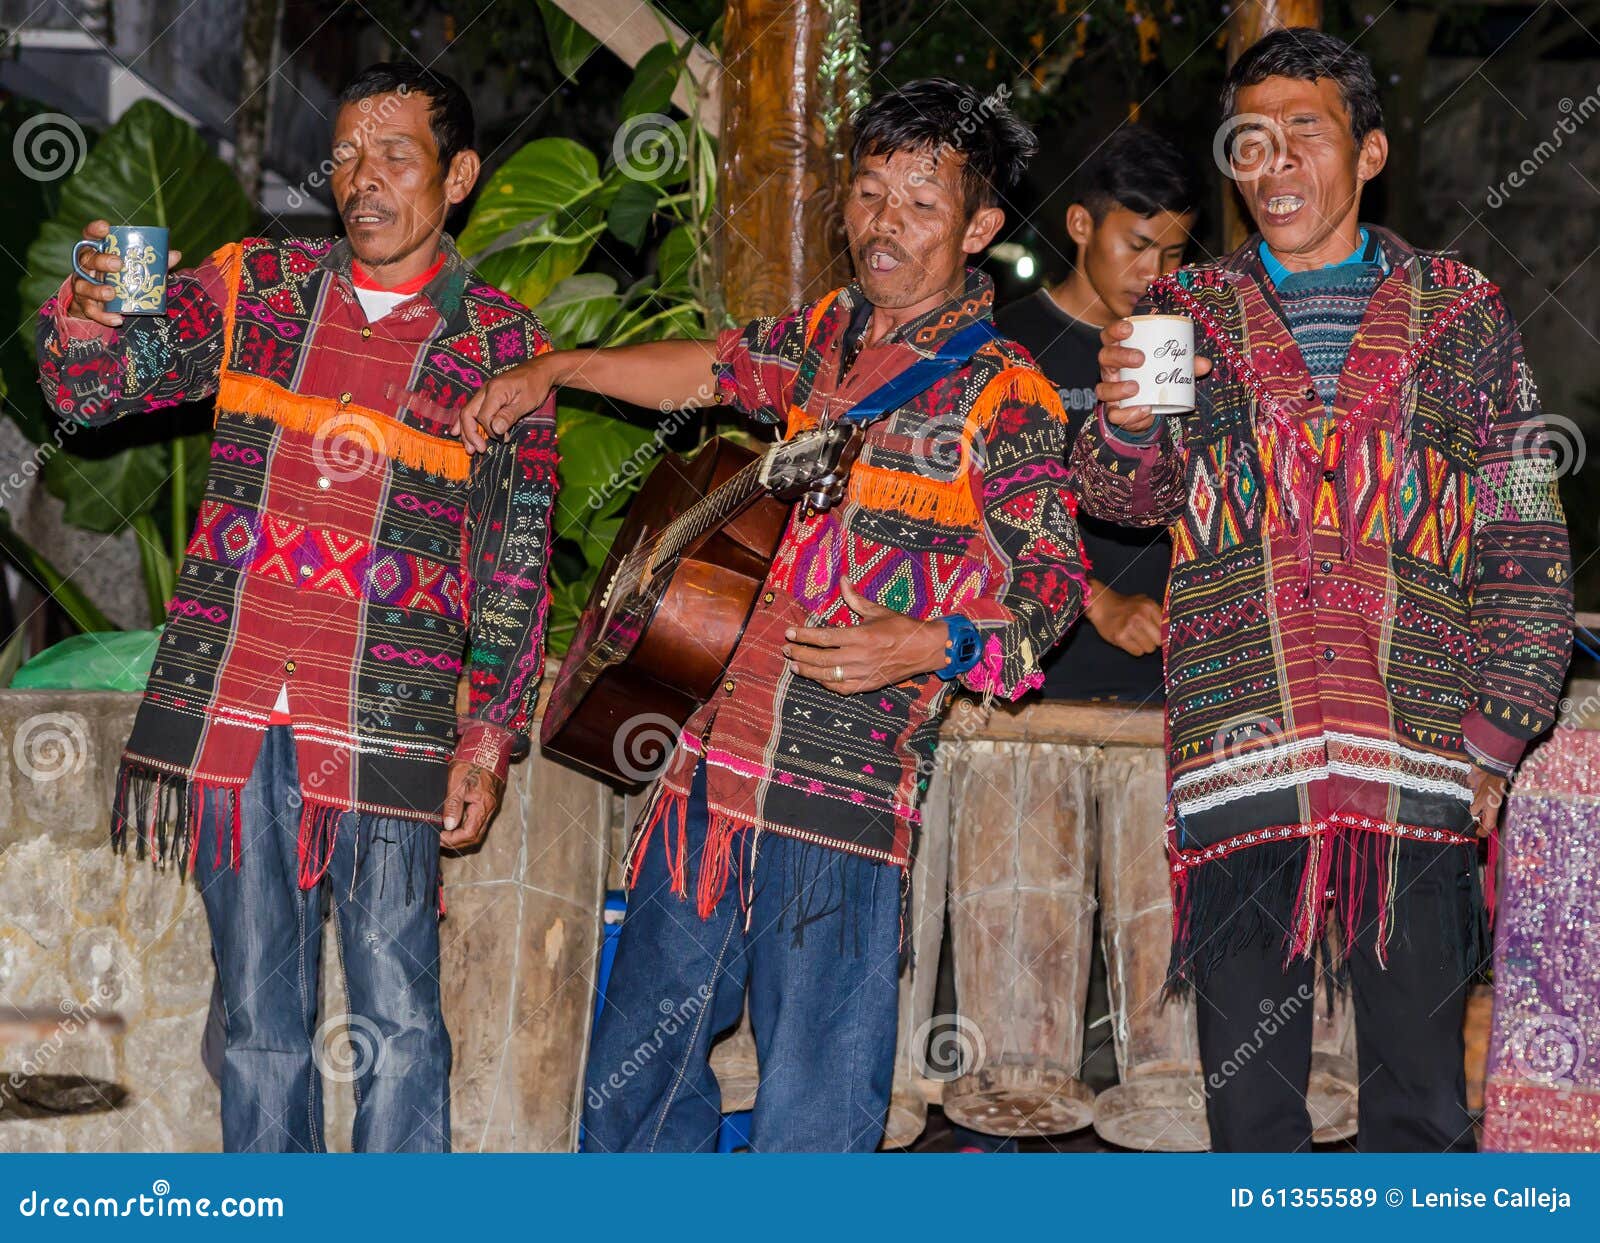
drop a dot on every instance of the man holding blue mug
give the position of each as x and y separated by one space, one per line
120 271
300 738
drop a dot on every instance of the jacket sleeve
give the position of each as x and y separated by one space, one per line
506 543
756 365
1130 479
1038 587
1521 564
94 375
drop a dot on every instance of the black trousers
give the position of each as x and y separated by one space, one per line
1255 1020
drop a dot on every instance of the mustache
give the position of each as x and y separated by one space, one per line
365 207
883 244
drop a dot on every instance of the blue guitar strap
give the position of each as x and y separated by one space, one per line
923 374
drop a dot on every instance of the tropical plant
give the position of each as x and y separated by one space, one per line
150 167
551 209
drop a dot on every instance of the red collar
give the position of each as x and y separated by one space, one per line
362 281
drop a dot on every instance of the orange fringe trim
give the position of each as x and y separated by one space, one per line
799 418
325 416
953 502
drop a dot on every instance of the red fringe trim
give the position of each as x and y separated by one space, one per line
670 812
319 834
1340 850
161 813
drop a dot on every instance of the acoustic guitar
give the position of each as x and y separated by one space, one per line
676 592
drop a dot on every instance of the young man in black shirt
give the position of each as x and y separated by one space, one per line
1133 206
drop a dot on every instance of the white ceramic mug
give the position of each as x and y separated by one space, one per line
1166 378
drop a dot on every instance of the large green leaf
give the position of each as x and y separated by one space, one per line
631 210
570 43
675 259
530 273
653 79
530 198
152 168
579 308
106 493
601 466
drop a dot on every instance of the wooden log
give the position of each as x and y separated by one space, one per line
518 946
779 237
1075 724
1159 1105
1021 919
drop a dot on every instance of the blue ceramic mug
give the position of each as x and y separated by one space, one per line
141 285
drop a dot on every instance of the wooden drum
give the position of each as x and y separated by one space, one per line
1021 921
1159 1105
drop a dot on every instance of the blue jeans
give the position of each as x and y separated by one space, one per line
820 964
266 934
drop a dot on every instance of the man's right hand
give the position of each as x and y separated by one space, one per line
505 399
1114 356
89 297
1131 622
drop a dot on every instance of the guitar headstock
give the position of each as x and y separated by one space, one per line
813 465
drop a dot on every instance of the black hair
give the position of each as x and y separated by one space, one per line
1138 169
934 115
449 110
1307 54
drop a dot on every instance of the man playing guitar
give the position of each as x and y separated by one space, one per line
953 555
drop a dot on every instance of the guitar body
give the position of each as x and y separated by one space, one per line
651 649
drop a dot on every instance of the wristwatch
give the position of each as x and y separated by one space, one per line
963 647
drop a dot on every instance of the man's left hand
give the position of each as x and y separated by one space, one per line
1488 797
887 647
472 796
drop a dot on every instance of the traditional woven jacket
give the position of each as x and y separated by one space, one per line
1361 608
345 548
957 504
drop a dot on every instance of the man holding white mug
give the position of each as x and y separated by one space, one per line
1368 619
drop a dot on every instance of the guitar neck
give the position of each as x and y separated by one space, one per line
721 505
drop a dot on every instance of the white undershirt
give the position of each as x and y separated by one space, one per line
375 304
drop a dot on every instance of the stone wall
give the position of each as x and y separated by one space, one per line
83 928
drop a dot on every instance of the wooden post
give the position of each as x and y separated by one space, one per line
779 240
1249 21
258 39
